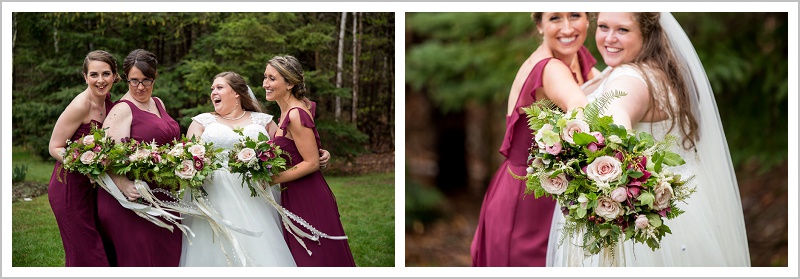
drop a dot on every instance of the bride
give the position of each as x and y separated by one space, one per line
261 240
651 58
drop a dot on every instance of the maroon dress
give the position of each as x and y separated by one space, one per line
131 240
513 228
74 202
310 198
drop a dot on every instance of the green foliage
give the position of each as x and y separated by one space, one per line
19 173
423 203
341 139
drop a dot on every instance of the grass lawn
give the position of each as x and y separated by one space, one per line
366 205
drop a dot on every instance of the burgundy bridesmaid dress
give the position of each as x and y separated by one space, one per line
131 240
74 202
513 228
310 198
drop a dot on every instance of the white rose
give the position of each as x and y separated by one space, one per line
87 140
608 208
574 126
197 150
87 157
186 169
176 151
246 155
663 193
540 134
615 139
556 185
604 169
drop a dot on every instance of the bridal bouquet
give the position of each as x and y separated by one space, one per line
89 154
256 159
612 184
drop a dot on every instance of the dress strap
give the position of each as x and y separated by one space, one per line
305 119
205 119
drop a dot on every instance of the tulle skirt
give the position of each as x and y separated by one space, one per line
234 203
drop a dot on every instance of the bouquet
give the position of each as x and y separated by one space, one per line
89 154
182 164
612 184
256 159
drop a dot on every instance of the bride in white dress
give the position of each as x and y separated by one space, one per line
711 232
265 246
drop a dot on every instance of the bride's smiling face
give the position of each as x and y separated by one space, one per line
619 38
564 32
223 97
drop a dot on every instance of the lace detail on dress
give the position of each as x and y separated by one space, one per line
261 119
224 137
205 119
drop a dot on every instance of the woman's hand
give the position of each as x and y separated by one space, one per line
324 157
126 186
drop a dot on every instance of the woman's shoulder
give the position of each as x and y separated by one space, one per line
260 118
626 70
205 118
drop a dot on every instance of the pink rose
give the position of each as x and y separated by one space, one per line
139 155
599 137
197 150
246 155
620 194
186 169
87 157
608 208
604 169
556 185
87 140
574 126
663 193
555 149
642 222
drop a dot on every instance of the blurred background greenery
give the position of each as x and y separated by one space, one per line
49 48
459 70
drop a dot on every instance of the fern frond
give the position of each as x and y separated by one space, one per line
595 109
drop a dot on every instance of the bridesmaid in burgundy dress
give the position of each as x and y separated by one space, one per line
72 196
131 240
306 192
513 229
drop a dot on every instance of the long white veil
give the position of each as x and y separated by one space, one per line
719 178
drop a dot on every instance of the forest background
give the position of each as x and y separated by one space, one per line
459 69
348 60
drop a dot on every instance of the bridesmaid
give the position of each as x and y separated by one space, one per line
306 193
513 229
72 196
131 240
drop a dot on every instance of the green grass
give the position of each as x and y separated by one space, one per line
35 240
39 170
366 204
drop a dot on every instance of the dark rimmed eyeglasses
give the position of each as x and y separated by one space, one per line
135 83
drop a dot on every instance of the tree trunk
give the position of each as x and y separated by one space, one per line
356 46
339 61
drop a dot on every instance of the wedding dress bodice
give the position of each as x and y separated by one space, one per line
659 129
223 136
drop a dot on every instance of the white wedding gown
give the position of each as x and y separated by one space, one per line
234 203
710 233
